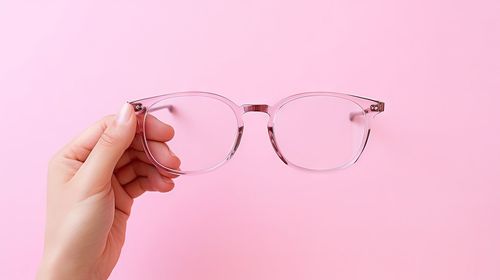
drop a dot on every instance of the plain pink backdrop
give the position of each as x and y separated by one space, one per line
422 203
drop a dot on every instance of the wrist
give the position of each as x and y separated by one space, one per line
52 269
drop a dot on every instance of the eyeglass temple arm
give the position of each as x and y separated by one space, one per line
170 108
378 107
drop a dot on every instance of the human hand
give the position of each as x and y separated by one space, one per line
92 182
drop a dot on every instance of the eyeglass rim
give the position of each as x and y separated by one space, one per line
368 107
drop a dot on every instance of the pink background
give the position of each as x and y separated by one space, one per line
423 202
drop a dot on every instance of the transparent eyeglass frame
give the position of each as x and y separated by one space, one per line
368 109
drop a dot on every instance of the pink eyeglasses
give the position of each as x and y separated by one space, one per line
312 131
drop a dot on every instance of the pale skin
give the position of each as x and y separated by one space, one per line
92 183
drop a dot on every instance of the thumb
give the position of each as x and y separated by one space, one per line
95 173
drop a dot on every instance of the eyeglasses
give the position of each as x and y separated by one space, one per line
312 131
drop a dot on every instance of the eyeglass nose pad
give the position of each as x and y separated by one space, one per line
270 131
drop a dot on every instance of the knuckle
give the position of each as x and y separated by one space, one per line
107 119
108 139
53 161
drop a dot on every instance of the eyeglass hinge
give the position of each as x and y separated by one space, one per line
379 107
138 107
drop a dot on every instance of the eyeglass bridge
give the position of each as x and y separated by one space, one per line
256 108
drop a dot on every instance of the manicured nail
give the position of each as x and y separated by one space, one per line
124 114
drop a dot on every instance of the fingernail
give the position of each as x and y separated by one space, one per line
124 114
